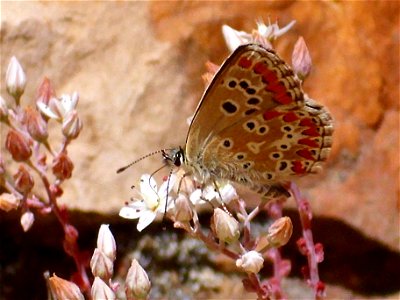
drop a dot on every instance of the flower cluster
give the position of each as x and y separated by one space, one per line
137 284
37 167
230 231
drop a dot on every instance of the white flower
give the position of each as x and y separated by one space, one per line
226 191
251 262
58 109
153 201
263 35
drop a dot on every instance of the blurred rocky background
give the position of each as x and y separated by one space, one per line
137 67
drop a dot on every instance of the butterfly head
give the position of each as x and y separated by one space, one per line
175 156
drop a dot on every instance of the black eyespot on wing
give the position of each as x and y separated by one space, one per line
262 129
250 125
239 156
246 165
243 84
229 107
283 146
287 128
250 111
283 165
227 143
253 101
250 91
276 155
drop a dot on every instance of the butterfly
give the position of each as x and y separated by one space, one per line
255 126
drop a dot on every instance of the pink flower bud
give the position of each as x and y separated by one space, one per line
35 125
251 262
137 283
15 78
101 265
100 290
72 125
63 289
62 166
18 146
106 242
23 180
280 231
8 202
301 59
45 91
183 210
27 220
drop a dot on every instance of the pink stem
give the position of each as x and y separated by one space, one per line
305 218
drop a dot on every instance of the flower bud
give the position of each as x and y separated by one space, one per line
8 202
106 242
45 91
35 125
225 226
183 210
3 109
62 166
63 289
100 290
137 283
23 181
101 265
301 59
72 125
251 262
15 78
234 38
280 232
27 220
18 146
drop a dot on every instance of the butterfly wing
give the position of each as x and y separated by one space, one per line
254 123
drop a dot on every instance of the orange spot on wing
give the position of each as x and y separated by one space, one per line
270 114
244 62
290 117
308 142
305 153
297 167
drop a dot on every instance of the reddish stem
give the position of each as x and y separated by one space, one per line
305 218
70 242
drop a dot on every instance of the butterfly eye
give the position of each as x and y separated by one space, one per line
178 158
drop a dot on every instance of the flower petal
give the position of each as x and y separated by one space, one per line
145 219
129 213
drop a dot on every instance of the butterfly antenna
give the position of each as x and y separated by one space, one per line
139 159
